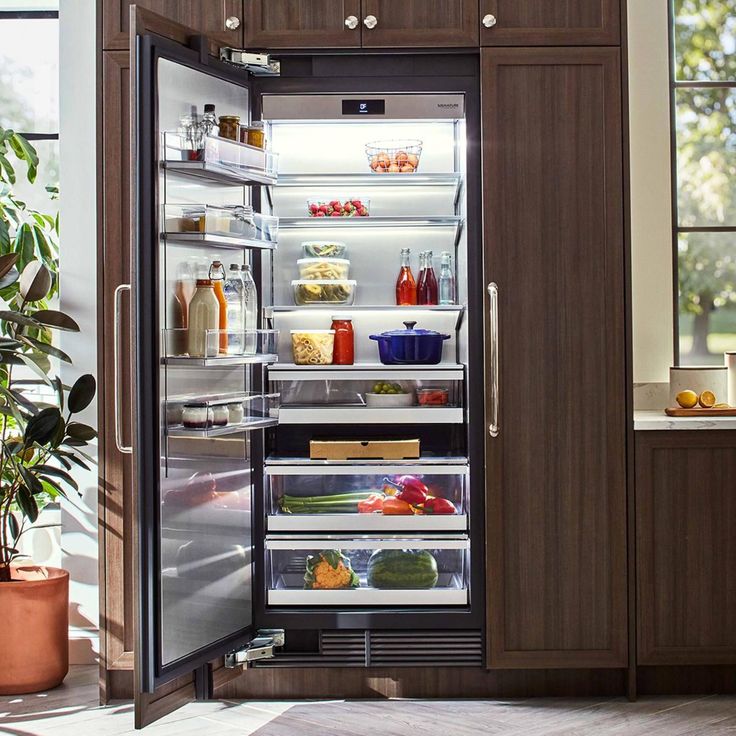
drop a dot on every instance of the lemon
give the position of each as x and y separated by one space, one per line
707 399
687 399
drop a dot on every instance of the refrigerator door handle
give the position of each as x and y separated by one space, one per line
494 428
116 370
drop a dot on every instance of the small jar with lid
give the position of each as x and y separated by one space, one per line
344 348
196 416
220 415
229 126
253 134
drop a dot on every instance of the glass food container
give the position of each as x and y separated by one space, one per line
324 269
312 347
308 292
324 249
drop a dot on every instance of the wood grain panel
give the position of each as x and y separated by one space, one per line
686 547
204 16
556 475
117 635
426 23
275 24
551 22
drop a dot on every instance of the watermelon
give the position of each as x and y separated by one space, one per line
402 569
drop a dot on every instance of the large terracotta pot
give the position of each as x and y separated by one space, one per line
34 634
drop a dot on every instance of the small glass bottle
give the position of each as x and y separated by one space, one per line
209 124
217 276
422 279
250 310
343 352
406 286
430 280
447 279
234 296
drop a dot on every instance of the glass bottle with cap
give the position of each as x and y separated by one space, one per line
344 347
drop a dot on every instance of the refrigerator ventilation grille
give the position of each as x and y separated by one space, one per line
388 649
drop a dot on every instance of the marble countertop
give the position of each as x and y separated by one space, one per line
658 420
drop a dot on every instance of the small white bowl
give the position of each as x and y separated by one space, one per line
389 401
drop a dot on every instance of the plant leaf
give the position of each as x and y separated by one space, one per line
9 279
7 262
53 318
26 152
27 503
44 347
42 427
56 473
7 167
18 318
33 364
78 431
13 526
82 393
35 282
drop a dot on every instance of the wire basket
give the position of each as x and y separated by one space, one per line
394 157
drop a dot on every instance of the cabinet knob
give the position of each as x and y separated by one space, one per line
232 23
489 20
370 21
351 22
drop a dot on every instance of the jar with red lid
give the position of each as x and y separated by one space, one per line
344 349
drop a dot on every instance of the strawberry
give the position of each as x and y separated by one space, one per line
320 214
363 212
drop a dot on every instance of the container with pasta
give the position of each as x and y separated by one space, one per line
319 291
325 269
312 347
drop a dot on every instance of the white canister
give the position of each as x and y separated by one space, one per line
699 378
729 358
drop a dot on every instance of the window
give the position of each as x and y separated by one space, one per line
703 80
29 88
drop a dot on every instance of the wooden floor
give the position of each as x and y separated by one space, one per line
71 710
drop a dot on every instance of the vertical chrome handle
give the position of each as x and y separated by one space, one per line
116 370
370 22
494 427
351 22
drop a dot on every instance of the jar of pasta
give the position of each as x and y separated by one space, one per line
312 347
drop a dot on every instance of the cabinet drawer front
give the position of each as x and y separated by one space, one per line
297 24
550 22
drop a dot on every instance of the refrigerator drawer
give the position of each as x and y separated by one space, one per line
329 498
387 571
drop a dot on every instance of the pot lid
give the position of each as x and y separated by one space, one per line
411 331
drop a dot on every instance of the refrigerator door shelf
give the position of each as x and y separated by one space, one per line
243 347
220 160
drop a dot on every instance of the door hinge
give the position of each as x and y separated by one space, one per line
258 64
262 647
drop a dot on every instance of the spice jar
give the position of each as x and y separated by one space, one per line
229 126
343 352
253 135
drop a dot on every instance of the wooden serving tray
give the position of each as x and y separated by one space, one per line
678 411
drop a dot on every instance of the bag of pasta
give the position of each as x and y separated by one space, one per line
312 347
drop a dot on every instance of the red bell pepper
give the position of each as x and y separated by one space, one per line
410 489
373 503
439 505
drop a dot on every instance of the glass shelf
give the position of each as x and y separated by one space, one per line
369 415
220 414
220 160
220 347
232 227
293 223
365 371
369 308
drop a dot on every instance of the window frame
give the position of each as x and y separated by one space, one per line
677 229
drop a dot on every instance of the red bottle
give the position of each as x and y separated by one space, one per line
431 290
406 287
343 352
422 280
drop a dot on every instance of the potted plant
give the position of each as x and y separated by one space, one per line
40 441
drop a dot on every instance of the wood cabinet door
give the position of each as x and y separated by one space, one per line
285 24
550 22
427 23
205 16
554 245
686 548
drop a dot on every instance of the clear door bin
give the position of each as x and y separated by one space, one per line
351 498
219 347
384 572
197 221
219 415
220 159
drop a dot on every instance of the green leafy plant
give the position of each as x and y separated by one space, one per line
40 441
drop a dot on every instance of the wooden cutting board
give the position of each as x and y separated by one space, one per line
677 411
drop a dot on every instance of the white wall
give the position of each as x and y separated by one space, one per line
79 299
651 206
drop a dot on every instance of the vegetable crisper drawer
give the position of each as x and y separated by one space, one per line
345 571
363 498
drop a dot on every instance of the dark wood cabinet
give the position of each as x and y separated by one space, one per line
550 22
208 17
686 547
276 24
427 23
554 245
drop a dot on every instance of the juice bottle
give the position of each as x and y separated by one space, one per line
430 280
422 279
406 286
217 276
